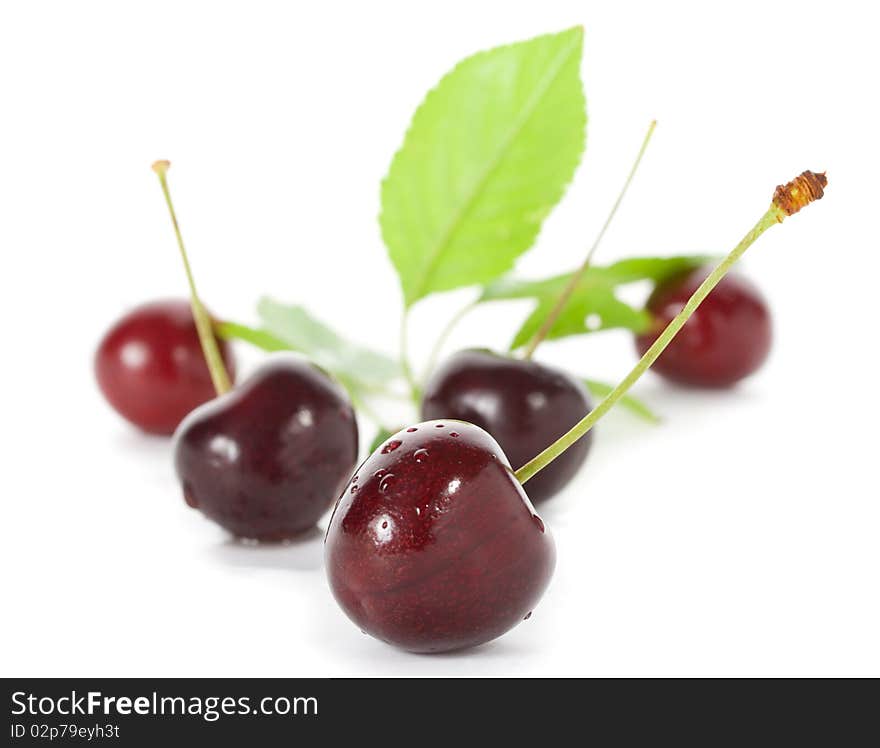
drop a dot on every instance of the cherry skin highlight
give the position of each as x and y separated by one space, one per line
434 545
524 405
151 368
267 459
726 339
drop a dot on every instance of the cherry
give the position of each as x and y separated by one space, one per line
267 459
524 405
434 545
150 366
727 339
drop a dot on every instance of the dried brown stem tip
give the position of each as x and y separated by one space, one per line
160 167
799 192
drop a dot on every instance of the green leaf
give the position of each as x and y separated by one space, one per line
291 327
632 404
259 338
594 305
655 269
488 154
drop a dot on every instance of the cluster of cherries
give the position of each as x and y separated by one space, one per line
434 543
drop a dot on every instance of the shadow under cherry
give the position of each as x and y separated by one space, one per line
303 553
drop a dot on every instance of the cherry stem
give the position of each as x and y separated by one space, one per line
444 336
787 200
577 277
204 324
405 365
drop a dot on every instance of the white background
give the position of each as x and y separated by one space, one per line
738 538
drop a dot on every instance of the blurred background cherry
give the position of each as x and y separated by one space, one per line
151 368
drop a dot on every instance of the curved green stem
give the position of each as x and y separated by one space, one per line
204 325
544 330
773 216
444 336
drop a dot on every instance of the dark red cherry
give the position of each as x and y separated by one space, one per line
434 545
150 366
526 406
725 340
267 459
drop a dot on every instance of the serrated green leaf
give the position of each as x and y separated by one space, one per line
488 154
291 327
655 269
594 305
632 404
366 369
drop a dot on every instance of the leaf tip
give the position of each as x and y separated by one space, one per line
577 32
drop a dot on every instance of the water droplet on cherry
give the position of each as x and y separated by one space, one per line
400 561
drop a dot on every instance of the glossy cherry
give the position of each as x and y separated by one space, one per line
150 366
434 545
525 405
726 339
267 459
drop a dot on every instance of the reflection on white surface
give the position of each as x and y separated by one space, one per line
303 553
